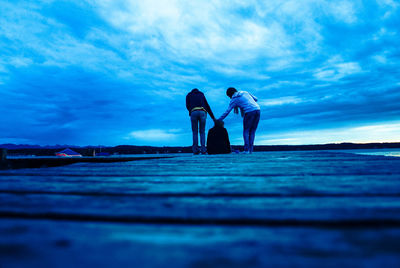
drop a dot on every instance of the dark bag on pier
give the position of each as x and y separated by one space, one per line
218 141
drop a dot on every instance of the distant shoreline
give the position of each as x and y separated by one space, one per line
132 149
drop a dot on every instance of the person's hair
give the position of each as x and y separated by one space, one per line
230 91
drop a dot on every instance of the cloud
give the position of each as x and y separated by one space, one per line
154 135
390 3
199 30
380 58
343 11
387 132
280 101
337 70
20 62
72 69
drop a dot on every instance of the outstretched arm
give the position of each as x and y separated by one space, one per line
231 106
208 109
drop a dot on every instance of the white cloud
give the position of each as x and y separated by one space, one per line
154 134
29 30
380 58
325 74
391 7
390 3
348 68
280 101
200 29
158 50
235 71
393 128
382 33
153 32
3 69
343 11
384 132
20 61
280 64
270 140
335 69
282 84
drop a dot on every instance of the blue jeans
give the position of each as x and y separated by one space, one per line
198 119
250 123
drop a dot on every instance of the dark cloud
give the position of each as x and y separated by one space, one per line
79 73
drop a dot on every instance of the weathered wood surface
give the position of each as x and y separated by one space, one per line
308 209
40 162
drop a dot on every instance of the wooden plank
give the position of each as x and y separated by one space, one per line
232 210
41 162
347 186
235 165
267 209
42 243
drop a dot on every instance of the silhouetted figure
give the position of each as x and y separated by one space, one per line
218 139
250 111
198 107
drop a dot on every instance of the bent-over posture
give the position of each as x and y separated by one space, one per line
250 111
198 107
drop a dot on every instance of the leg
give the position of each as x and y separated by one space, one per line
246 131
195 127
253 129
202 130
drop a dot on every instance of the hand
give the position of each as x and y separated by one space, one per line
219 123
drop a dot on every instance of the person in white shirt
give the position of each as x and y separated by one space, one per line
250 111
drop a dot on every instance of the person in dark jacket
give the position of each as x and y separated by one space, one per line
218 139
198 108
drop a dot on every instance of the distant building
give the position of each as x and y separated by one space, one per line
68 153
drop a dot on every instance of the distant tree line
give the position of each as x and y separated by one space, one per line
131 149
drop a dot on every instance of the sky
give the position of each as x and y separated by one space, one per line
111 72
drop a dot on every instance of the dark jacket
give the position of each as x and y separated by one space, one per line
196 98
218 141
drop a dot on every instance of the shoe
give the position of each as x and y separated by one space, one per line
203 153
245 152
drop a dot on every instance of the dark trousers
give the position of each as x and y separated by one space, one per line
250 124
198 119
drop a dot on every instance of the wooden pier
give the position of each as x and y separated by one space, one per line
43 162
276 209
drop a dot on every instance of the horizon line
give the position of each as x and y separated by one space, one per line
163 146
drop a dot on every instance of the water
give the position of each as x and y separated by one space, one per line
385 152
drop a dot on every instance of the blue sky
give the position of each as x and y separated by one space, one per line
117 72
